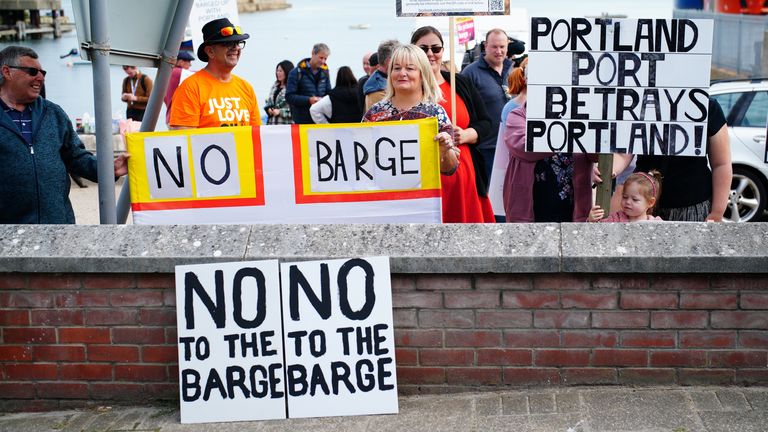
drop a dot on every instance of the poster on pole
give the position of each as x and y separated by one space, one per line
204 11
230 342
465 29
421 8
339 340
635 86
384 172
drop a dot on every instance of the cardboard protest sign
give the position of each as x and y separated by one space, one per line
339 341
349 173
619 86
465 29
410 8
230 342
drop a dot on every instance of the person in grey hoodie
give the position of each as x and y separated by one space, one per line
38 146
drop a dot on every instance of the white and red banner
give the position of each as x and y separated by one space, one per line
349 173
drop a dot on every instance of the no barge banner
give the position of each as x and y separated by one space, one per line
329 351
619 86
350 173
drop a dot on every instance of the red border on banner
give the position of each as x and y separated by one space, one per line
302 198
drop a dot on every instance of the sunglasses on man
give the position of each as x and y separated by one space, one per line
230 45
31 71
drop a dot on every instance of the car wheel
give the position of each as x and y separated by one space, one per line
747 199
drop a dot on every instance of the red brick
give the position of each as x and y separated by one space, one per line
83 335
82 299
169 298
739 282
138 335
140 372
754 301
160 354
561 281
749 339
682 282
708 339
404 318
739 320
407 356
620 319
171 336
504 357
109 281
531 376
157 317
17 405
648 339
57 317
25 299
678 358
137 298
10 353
620 282
162 391
694 377
30 371
738 359
14 317
588 376
446 357
443 282
17 390
751 377
418 338
503 282
561 357
430 300
619 357
504 319
402 282
647 376
420 375
111 317
560 319
54 353
13 281
29 335
39 281
443 318
62 390
473 376
707 301
679 319
472 300
589 338
532 338
646 300
472 338
85 372
113 353
588 300
166 281
529 300
118 391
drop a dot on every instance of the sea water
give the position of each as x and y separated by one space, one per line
349 27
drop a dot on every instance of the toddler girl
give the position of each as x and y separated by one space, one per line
641 192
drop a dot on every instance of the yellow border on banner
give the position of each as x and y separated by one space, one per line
430 163
139 178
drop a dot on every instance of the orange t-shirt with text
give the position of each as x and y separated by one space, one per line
203 101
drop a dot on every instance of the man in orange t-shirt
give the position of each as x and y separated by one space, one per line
213 96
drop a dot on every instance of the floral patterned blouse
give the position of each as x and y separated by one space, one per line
385 111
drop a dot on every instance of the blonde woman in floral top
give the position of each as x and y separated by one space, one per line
278 111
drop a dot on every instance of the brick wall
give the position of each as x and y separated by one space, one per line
72 339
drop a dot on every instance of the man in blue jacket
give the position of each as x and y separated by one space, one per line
38 147
307 83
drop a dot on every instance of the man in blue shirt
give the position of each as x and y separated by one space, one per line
38 146
489 75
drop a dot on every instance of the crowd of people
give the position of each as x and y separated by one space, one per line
402 81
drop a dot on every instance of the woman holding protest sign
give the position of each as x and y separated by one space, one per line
413 94
465 195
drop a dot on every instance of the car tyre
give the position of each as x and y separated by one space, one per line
747 200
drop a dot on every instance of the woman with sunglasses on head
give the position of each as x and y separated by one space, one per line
278 111
411 94
465 195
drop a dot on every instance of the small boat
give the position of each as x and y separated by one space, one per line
360 26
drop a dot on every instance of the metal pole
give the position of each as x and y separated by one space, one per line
105 152
168 61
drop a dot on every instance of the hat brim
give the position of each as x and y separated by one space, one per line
234 38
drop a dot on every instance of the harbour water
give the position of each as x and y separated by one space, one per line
348 27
